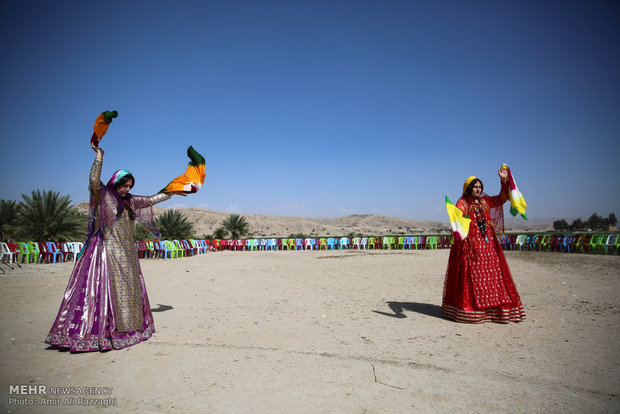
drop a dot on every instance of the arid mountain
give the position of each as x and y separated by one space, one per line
206 222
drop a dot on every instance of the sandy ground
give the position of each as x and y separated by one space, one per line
328 332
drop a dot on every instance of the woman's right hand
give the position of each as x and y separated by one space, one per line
98 150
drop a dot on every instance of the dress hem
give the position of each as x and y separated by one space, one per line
94 343
498 315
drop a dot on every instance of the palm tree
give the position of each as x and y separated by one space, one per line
48 216
140 233
236 226
220 233
8 218
175 226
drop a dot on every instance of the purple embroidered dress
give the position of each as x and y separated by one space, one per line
105 305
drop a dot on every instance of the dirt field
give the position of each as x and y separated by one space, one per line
325 332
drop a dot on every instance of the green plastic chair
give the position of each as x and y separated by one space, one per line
543 243
595 243
34 248
26 256
389 243
174 250
431 242
371 243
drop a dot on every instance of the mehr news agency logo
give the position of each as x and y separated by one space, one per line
42 395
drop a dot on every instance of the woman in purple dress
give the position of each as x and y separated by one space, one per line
105 305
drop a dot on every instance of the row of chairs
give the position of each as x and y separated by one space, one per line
39 252
593 243
332 243
54 252
171 249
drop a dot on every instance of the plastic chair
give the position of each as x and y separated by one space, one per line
531 241
331 244
344 243
371 243
288 244
443 242
272 244
519 243
25 255
565 245
544 242
143 250
309 243
509 242
582 243
322 243
34 248
190 250
76 248
252 245
556 241
609 245
431 242
389 243
596 243
66 250
364 243
422 242
356 243
44 254
54 252
378 243
169 249
299 244
10 251
408 243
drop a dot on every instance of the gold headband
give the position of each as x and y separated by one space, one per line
467 182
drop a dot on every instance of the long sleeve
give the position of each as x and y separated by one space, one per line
501 198
94 179
147 201
461 204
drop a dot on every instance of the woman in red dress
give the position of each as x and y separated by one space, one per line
478 286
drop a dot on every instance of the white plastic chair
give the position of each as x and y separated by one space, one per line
6 251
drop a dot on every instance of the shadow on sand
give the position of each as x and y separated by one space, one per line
161 308
423 308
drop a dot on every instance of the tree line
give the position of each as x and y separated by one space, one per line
49 216
594 223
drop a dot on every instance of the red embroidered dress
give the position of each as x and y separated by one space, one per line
478 286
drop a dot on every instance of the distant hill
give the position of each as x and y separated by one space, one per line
206 222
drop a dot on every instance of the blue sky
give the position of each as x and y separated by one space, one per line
317 108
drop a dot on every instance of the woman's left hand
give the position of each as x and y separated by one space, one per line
503 174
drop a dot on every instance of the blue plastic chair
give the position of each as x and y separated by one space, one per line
299 244
331 244
53 251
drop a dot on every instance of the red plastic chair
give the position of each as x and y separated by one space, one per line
44 254
143 250
444 242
